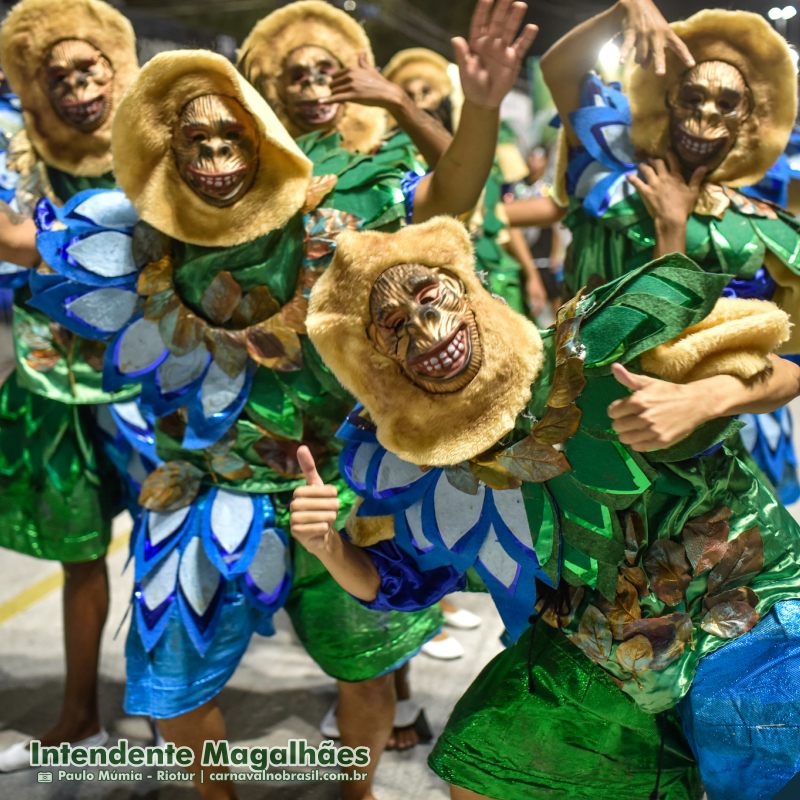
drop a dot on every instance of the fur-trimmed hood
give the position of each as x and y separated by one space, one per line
311 23
145 165
28 33
748 42
419 62
423 428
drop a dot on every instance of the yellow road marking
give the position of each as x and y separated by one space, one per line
31 595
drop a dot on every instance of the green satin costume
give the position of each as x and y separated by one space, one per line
56 485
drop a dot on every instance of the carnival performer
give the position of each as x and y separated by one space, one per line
503 459
238 232
708 107
69 61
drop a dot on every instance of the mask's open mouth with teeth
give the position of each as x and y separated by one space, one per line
316 113
445 360
695 148
219 185
85 115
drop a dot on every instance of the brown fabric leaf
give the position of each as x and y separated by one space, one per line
93 353
230 466
744 558
462 478
668 636
221 298
155 277
706 539
294 313
187 332
43 360
568 383
171 486
636 577
624 609
280 455
149 244
557 425
533 461
228 348
635 655
668 570
494 476
159 304
319 187
256 306
61 336
730 619
634 536
743 594
173 425
557 617
275 347
593 635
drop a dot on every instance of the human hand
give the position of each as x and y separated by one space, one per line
314 507
365 85
647 32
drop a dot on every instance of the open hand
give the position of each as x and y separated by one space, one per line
314 507
658 414
490 60
649 34
365 85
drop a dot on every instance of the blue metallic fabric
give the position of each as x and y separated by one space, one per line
404 587
742 715
769 439
409 186
174 678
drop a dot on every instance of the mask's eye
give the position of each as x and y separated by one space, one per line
298 76
395 322
429 294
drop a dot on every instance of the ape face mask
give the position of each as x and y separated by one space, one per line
215 143
421 318
707 109
423 94
305 78
80 84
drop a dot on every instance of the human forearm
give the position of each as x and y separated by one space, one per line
17 238
350 567
430 136
536 212
670 238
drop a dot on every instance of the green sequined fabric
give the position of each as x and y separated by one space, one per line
542 721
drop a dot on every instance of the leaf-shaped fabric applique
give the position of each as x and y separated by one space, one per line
494 475
319 187
280 455
637 578
228 348
158 305
107 254
743 559
171 486
107 310
293 314
635 655
149 244
668 636
139 348
230 466
186 333
568 383
557 616
462 478
221 298
43 360
274 346
729 619
533 461
557 425
634 536
155 277
668 569
624 609
593 635
256 306
93 353
706 539
744 594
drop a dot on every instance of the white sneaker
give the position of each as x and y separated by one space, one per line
405 715
447 649
329 727
462 619
17 756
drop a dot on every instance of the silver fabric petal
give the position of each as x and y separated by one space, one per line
137 471
105 309
198 577
179 371
231 517
496 560
456 511
219 390
108 210
394 472
414 520
129 412
162 524
107 253
511 507
140 346
361 461
160 583
270 563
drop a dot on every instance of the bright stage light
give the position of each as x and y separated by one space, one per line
775 13
609 56
789 12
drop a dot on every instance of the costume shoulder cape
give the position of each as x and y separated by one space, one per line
664 558
729 232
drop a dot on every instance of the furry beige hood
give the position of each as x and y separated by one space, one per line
311 23
419 62
28 33
748 42
423 428
146 169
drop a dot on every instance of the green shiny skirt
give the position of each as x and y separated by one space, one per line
575 736
57 491
348 641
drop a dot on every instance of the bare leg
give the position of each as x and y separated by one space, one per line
191 730
85 608
403 738
365 714
459 793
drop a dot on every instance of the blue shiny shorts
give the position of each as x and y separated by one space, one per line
742 714
173 678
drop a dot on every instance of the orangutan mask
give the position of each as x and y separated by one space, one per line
422 319
80 84
422 94
707 109
305 79
215 146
